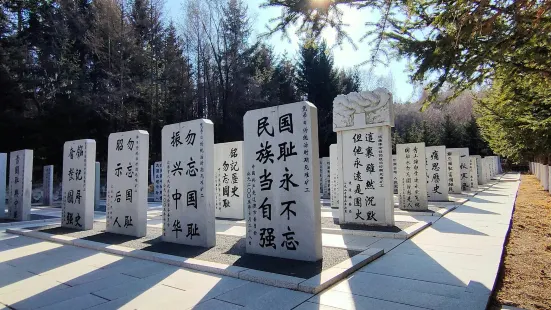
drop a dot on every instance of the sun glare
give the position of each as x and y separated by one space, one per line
319 4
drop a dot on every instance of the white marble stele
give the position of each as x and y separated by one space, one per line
188 183
48 185
79 179
127 163
549 178
325 178
454 173
20 186
473 172
486 169
480 175
282 182
97 185
228 180
158 181
544 179
395 174
334 170
3 170
437 173
412 176
321 177
363 124
464 163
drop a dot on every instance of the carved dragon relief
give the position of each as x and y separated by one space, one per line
375 105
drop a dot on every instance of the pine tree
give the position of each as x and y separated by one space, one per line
318 83
451 136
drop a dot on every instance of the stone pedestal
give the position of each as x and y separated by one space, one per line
21 175
437 173
78 187
363 123
282 182
128 155
188 183
412 176
228 180
48 185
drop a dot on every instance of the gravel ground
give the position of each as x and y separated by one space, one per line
329 222
524 278
228 250
34 217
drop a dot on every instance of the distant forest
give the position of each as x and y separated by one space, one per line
74 69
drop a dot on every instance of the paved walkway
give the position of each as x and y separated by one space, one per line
452 264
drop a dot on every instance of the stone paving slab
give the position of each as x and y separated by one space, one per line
215 304
155 297
260 296
206 285
348 301
78 303
452 264
26 300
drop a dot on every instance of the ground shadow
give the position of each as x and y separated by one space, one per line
328 222
445 225
111 284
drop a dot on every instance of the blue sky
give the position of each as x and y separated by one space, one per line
345 56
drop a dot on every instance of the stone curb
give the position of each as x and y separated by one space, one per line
412 230
312 285
405 234
342 270
4 225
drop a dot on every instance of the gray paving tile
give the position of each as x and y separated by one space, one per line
20 241
39 263
13 279
214 304
156 297
27 287
134 288
365 283
4 236
77 303
260 296
147 269
48 297
205 284
393 294
350 301
72 279
314 306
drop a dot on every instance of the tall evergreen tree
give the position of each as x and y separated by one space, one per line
317 81
451 136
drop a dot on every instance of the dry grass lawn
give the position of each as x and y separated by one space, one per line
525 277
